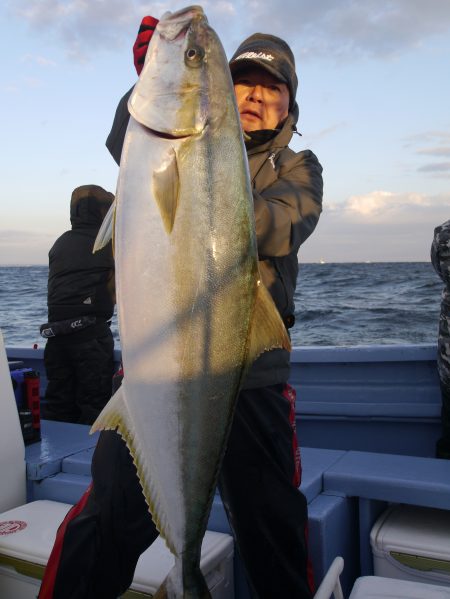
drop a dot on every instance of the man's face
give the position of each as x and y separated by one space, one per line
262 100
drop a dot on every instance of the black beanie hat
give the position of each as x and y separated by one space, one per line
272 54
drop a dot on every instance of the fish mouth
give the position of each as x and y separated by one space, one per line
176 25
177 136
166 135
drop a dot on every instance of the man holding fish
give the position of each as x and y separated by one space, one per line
205 398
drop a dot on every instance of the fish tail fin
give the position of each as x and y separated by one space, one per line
114 414
191 587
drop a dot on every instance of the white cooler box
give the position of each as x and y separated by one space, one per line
412 543
376 587
216 564
27 534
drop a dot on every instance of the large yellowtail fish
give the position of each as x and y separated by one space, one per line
192 312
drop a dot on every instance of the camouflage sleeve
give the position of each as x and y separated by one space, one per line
286 212
440 251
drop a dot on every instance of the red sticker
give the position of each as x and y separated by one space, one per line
8 527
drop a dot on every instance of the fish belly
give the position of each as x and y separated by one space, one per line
184 302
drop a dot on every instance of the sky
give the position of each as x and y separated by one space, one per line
374 92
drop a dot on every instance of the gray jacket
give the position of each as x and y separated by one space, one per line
287 192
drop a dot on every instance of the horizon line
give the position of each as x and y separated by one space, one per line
320 262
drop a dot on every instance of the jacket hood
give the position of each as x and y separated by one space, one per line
89 205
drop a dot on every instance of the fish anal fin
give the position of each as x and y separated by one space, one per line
115 416
106 231
166 186
268 330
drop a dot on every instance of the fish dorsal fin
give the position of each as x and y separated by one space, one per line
268 330
166 186
106 231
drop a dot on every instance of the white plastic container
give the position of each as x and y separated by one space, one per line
412 543
16 586
216 564
27 534
12 448
377 587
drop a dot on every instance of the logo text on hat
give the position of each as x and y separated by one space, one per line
262 55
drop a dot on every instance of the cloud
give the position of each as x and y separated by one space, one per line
10 88
380 207
27 82
344 29
19 236
437 151
32 82
379 226
324 133
431 143
86 26
427 137
224 8
81 26
437 167
24 247
350 30
39 60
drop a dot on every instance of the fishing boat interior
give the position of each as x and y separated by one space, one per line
368 419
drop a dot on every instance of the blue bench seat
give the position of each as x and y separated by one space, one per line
389 477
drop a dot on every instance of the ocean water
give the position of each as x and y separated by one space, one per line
336 304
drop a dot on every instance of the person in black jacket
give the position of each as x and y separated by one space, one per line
79 352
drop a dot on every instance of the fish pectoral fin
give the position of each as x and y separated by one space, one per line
114 415
268 330
166 187
106 231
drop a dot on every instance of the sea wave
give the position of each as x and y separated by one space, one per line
336 304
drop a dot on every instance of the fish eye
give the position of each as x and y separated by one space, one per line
194 55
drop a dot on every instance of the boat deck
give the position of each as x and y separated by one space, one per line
367 422
346 490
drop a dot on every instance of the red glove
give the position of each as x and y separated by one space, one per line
144 36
